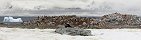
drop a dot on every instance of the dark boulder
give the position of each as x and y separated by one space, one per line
117 20
73 31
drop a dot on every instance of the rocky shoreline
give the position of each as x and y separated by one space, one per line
110 21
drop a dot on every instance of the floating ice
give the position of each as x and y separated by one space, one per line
11 19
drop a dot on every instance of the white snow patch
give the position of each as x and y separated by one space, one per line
49 4
49 34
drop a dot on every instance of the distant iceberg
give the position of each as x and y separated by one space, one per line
11 19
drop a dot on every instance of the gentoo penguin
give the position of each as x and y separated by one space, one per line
67 25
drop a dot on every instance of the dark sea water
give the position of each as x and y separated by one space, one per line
28 18
24 18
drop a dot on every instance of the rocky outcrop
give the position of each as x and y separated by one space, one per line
53 21
73 31
110 21
117 20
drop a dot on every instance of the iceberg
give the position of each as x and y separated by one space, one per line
11 19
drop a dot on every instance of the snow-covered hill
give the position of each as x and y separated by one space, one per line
122 6
46 4
84 4
31 4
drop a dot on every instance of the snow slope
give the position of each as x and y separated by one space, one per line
84 4
100 6
48 34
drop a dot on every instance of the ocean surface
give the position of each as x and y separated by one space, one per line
24 18
29 18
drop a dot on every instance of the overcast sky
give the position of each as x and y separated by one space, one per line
29 4
116 5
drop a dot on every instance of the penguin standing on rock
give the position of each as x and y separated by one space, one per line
67 25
